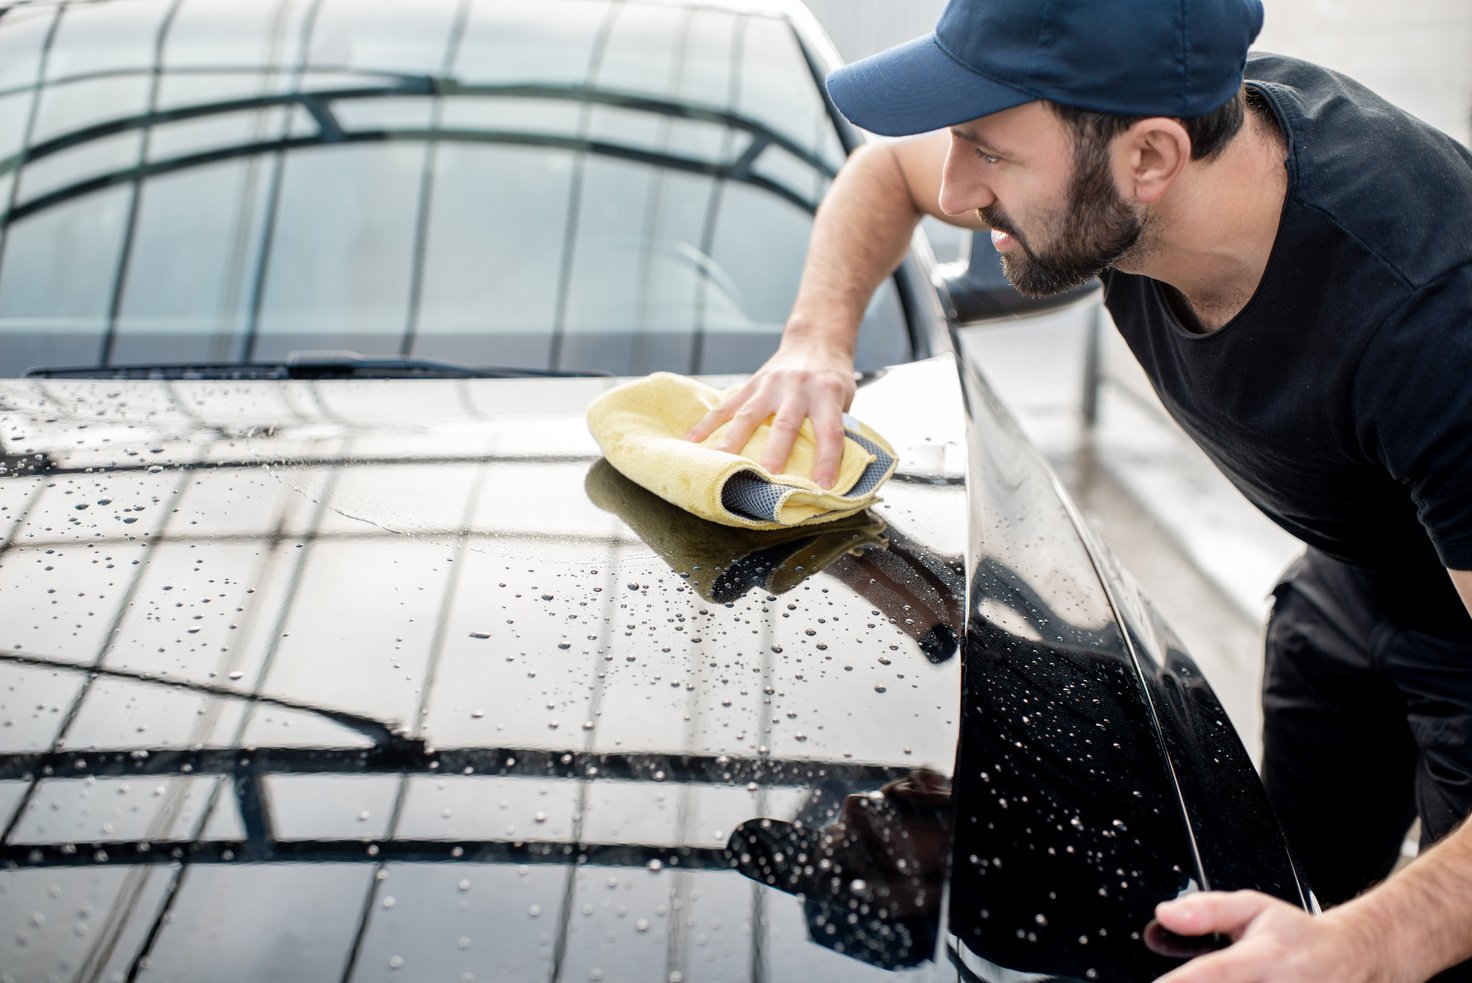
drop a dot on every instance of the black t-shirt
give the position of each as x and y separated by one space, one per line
1339 400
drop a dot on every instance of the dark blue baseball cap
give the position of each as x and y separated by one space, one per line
1176 58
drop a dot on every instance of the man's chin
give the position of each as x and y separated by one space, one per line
1031 281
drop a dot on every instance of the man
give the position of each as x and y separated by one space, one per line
1291 262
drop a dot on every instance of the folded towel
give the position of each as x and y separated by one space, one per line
640 426
723 563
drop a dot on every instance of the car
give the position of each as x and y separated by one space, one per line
332 649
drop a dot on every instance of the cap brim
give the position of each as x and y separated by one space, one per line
915 88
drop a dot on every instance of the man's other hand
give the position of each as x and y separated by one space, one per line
792 386
1272 942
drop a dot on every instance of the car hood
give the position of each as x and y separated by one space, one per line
402 675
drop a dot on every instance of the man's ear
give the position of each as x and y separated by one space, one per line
1152 154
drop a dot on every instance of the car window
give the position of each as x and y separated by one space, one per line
624 187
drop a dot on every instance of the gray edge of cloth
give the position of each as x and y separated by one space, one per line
751 496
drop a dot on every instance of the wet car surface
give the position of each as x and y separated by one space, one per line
307 675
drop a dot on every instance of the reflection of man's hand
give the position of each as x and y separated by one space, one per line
871 882
890 845
795 384
895 842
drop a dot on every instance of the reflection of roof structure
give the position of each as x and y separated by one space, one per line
309 93
392 754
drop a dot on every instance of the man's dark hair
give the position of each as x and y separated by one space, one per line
1210 132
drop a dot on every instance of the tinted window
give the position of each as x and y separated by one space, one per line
569 184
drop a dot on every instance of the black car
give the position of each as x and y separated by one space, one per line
330 647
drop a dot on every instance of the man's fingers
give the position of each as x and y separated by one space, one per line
1275 941
792 398
1241 963
743 410
1177 946
743 424
707 424
828 428
780 440
1227 912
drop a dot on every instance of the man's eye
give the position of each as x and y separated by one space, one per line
989 158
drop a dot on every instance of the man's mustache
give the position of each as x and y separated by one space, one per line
998 221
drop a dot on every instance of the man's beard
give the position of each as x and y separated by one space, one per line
1096 229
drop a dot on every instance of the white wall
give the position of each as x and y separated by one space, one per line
860 28
1416 53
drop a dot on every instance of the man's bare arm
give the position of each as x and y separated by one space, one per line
1413 925
860 235
1462 579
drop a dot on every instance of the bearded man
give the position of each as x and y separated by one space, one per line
1290 259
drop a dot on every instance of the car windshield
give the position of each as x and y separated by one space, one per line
571 185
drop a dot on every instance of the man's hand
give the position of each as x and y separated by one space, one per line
795 384
1272 942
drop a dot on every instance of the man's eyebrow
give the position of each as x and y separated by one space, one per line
971 137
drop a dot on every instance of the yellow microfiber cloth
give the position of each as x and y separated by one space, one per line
640 426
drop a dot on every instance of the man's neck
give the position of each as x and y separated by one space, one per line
1214 236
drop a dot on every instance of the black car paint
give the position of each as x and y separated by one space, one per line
1097 824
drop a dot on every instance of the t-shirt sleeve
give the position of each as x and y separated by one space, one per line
1413 394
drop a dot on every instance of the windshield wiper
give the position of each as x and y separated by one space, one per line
310 365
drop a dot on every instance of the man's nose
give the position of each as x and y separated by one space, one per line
963 186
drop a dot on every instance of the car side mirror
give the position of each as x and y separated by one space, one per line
975 288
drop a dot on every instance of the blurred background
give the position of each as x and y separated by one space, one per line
1204 556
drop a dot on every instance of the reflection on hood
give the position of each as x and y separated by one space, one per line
722 563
